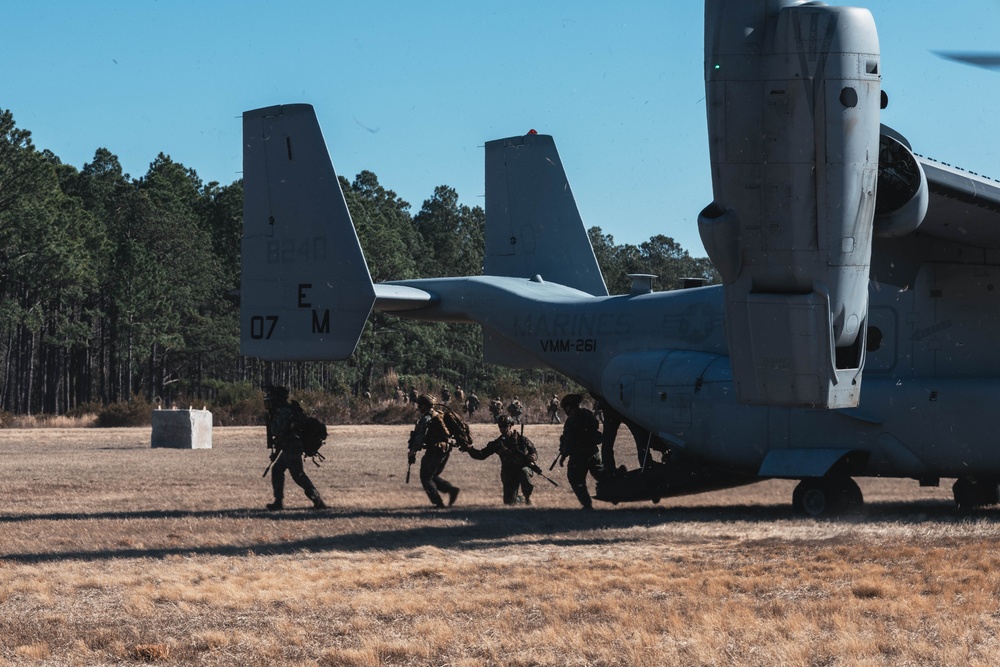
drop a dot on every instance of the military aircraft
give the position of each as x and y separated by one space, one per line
840 251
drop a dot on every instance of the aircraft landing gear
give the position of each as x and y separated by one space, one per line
971 492
827 496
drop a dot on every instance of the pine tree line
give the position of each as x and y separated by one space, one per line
114 288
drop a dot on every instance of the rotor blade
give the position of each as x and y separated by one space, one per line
989 60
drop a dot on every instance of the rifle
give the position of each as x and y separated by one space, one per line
533 467
268 418
530 465
411 454
554 461
268 468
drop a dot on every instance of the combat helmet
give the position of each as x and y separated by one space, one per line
571 401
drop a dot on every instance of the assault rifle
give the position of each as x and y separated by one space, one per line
273 459
533 467
268 418
411 454
529 464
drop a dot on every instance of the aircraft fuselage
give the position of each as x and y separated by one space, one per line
661 359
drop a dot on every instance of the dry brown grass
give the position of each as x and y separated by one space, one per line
115 553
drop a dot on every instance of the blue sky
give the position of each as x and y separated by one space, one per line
412 90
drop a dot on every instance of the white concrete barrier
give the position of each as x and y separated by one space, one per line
182 429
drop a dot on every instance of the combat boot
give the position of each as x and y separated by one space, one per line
318 503
452 496
276 505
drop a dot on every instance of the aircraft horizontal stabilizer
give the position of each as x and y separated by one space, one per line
306 291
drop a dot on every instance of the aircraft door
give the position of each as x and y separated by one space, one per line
679 376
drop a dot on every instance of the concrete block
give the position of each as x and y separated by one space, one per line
182 429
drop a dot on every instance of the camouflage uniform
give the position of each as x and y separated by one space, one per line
431 435
515 410
579 443
496 408
471 404
515 452
288 450
554 411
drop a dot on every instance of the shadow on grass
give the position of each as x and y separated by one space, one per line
469 529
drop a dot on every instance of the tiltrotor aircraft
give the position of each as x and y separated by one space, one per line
840 250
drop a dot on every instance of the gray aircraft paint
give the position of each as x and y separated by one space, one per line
793 96
927 403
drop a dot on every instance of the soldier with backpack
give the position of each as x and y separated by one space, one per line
291 435
432 435
496 409
515 410
579 443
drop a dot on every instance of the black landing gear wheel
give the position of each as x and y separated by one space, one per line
827 496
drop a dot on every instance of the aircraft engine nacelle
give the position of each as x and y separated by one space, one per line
901 202
793 94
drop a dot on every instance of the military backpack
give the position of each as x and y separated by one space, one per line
457 428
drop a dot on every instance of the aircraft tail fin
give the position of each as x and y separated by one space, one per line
533 226
306 291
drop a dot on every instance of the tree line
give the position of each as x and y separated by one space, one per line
114 288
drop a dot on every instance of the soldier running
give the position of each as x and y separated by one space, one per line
431 435
579 443
517 454
471 405
496 408
515 410
554 410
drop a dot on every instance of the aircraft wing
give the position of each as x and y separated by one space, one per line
963 207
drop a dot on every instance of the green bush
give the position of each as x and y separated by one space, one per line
137 412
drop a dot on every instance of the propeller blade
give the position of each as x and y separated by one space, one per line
985 59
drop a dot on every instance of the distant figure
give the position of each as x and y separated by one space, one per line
496 408
413 394
554 410
445 395
516 454
400 395
471 405
459 395
579 443
431 435
515 410
284 437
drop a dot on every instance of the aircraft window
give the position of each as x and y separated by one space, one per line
874 339
849 97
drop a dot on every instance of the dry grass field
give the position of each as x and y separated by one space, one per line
114 553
